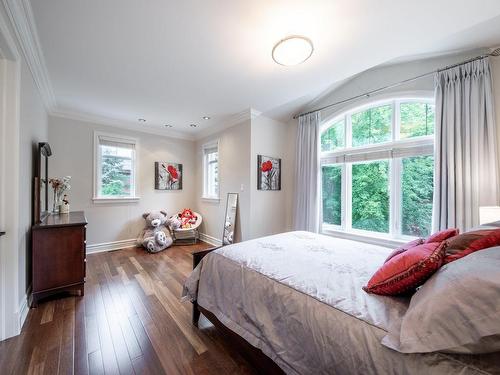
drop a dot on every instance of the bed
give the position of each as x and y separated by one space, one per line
297 297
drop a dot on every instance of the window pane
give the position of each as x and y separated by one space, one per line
417 191
333 137
370 196
332 198
417 119
212 174
372 126
116 171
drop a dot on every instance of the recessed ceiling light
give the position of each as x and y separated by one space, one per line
193 125
206 118
141 120
292 50
168 126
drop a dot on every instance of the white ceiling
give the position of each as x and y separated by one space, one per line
175 61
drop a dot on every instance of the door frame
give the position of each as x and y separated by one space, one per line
10 81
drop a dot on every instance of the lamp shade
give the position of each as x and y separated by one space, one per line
489 214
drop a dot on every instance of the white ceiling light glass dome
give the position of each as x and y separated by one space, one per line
292 50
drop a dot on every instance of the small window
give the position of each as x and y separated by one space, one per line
333 137
211 171
332 194
372 126
115 167
417 119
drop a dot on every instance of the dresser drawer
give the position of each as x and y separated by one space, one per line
58 257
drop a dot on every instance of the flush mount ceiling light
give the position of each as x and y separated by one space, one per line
141 120
193 125
292 50
168 126
206 118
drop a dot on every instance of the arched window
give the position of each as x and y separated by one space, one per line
377 169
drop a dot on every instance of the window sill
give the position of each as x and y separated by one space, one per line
210 199
116 200
367 238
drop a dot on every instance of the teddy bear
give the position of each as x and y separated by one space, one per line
156 236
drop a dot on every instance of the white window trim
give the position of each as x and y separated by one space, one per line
345 230
204 196
97 172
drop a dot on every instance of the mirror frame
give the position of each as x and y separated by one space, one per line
225 216
41 210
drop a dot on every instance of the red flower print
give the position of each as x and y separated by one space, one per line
173 172
266 166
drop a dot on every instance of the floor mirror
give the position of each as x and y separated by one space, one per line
230 218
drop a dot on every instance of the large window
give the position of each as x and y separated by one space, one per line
377 169
115 167
211 171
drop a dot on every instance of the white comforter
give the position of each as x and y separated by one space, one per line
297 296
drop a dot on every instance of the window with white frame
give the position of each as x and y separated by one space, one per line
377 169
211 171
115 167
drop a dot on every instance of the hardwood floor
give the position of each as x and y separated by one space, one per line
130 321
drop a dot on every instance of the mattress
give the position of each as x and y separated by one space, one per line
298 297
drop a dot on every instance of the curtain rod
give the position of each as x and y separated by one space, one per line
367 94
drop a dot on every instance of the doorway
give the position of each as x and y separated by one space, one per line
9 183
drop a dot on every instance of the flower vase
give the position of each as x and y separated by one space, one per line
55 204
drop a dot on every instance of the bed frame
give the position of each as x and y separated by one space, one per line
262 363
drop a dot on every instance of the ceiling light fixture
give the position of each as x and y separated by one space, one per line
206 118
193 125
168 126
292 50
141 120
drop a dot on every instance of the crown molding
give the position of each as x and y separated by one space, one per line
228 122
23 23
107 121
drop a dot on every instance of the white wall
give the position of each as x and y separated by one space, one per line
72 147
234 173
269 210
33 129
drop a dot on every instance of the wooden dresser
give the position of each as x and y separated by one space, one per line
58 255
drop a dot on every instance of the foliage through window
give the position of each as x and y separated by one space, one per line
211 171
378 169
115 167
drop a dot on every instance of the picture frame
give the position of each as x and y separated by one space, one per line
268 173
168 176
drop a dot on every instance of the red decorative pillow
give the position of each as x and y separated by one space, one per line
403 248
408 270
442 235
459 246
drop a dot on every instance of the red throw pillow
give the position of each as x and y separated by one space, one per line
403 248
442 235
459 246
408 270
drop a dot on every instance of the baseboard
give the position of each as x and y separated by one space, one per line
110 246
23 312
210 240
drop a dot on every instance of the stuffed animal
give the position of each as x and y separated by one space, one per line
156 236
187 218
174 222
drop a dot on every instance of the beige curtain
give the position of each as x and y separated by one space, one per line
466 166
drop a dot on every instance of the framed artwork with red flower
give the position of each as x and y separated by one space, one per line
268 173
168 176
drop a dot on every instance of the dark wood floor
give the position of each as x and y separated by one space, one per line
130 321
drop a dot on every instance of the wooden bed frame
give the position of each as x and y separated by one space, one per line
261 362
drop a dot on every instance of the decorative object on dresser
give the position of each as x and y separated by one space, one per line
58 251
268 173
60 186
168 176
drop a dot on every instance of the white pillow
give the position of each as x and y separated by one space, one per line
456 311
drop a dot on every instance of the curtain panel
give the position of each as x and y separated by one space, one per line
466 159
307 174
